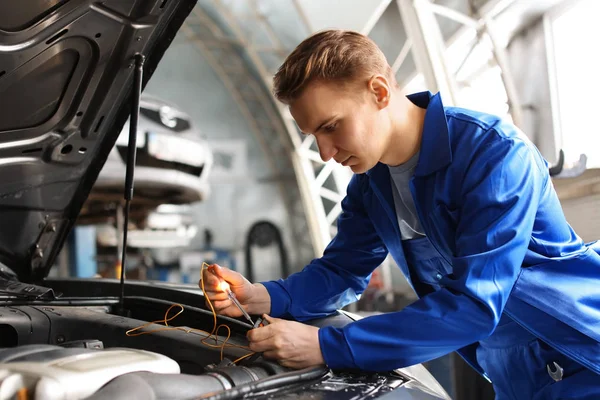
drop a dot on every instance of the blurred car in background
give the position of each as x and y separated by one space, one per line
173 164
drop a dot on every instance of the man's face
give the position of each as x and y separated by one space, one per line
348 123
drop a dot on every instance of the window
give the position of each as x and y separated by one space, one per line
478 77
572 32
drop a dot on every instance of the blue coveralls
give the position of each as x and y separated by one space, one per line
501 276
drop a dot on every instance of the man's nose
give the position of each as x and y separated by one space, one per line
326 149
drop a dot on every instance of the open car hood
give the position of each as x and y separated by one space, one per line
66 73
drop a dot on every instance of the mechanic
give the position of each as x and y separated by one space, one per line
464 203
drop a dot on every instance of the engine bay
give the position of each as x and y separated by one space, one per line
74 339
78 348
46 346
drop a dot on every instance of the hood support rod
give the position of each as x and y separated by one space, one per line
136 92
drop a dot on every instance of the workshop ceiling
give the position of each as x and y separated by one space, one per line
265 31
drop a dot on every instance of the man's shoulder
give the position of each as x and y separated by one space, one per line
471 118
485 137
481 124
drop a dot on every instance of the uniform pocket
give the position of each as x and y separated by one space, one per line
425 261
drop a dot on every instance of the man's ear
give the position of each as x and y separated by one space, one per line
380 90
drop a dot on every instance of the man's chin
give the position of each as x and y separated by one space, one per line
361 167
358 168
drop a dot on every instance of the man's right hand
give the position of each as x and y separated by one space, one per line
253 297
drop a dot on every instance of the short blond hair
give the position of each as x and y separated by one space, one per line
331 55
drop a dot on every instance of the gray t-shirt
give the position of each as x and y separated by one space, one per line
408 220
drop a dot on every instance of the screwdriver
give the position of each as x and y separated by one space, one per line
224 286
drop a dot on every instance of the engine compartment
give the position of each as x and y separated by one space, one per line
57 325
85 319
38 341
91 372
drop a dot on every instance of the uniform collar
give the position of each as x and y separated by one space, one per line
435 142
435 152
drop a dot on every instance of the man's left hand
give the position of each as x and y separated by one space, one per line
292 344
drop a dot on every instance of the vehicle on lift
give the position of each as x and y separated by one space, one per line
173 162
173 165
73 72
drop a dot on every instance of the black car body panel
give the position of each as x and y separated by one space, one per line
65 79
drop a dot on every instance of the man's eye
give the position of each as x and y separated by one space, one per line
330 128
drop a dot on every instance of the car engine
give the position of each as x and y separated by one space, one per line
55 372
45 354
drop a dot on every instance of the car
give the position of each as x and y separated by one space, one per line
73 72
173 165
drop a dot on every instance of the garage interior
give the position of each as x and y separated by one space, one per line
223 174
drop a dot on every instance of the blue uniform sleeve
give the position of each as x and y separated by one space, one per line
341 275
501 191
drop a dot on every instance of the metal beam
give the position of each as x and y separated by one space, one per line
486 23
514 103
404 52
454 15
375 16
428 47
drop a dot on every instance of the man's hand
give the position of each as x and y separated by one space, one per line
254 298
293 344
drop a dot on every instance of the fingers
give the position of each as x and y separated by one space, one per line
270 319
215 295
260 334
214 274
268 340
232 277
211 282
292 344
268 345
221 305
224 307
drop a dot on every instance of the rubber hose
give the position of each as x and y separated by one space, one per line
288 378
